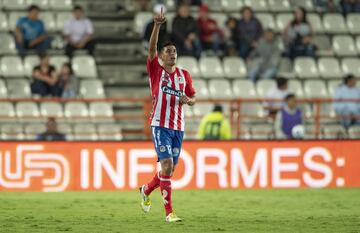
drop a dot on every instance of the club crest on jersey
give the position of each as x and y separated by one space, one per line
171 91
166 81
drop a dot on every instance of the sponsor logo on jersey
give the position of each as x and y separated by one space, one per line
171 91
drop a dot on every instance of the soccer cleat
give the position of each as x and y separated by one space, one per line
145 200
172 218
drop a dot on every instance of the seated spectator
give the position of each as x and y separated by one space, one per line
214 126
287 118
264 60
45 80
349 112
79 33
327 6
211 36
163 34
298 36
51 133
279 92
68 81
230 36
30 33
185 33
249 31
350 6
189 2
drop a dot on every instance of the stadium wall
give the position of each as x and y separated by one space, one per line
90 166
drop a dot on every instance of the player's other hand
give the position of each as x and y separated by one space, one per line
160 19
184 99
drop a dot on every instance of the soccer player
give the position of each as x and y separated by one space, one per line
171 88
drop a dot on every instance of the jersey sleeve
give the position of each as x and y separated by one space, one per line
189 89
152 66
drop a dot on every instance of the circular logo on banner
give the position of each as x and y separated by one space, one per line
162 149
176 150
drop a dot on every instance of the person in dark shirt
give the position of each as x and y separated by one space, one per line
51 133
249 31
45 79
185 33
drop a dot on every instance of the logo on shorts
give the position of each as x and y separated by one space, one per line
176 150
162 148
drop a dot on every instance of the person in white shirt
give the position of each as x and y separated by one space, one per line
278 92
79 32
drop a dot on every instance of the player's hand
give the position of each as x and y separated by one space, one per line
184 99
160 19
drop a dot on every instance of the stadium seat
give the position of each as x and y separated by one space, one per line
190 64
258 5
262 131
329 68
315 22
141 20
61 18
7 112
334 23
61 5
295 87
220 19
334 132
315 89
220 89
32 130
3 89
49 21
51 109
76 111
14 4
267 20
14 17
85 132
232 5
358 43
214 5
12 67
29 63
351 66
244 89
307 4
18 88
323 44
344 46
12 132
285 67
352 22
234 67
170 5
4 24
7 45
202 91
263 86
279 5
27 111
354 132
201 109
84 66
211 67
92 89
65 129
58 61
305 67
282 20
101 112
332 85
43 4
110 132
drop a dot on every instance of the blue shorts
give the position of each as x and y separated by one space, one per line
167 143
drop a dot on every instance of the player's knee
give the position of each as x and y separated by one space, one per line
167 167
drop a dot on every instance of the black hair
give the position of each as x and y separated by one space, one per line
281 82
166 44
347 78
218 108
33 7
243 9
78 8
68 64
289 96
304 20
43 55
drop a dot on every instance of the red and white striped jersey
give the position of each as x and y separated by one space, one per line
166 90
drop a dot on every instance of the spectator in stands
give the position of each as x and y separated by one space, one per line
79 32
349 112
163 34
350 6
30 33
326 6
214 126
45 79
287 118
68 81
211 36
230 37
277 93
51 133
298 35
189 2
265 58
185 33
249 31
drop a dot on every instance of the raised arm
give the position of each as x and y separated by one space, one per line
158 20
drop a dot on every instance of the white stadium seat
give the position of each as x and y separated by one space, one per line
202 91
232 5
267 20
279 5
18 88
211 67
61 18
307 4
141 20
14 17
101 112
29 63
334 23
3 89
76 111
334 132
220 89
213 4
85 132
344 46
305 67
244 89
43 4
263 86
61 5
109 132
51 109
295 87
12 67
27 111
351 66
258 5
92 89
4 24
262 131
329 68
14 4
58 61
200 109
7 45
234 67
354 132
190 64
352 21
282 20
7 112
315 89
332 85
220 19
32 130
316 23
12 132
49 21
84 66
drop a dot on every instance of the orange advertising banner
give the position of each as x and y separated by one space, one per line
86 166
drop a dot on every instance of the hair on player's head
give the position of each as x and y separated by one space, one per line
280 82
166 44
290 96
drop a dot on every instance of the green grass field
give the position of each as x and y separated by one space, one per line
331 210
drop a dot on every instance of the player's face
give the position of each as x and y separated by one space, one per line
169 55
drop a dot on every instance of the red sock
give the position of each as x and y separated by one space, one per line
165 187
152 185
